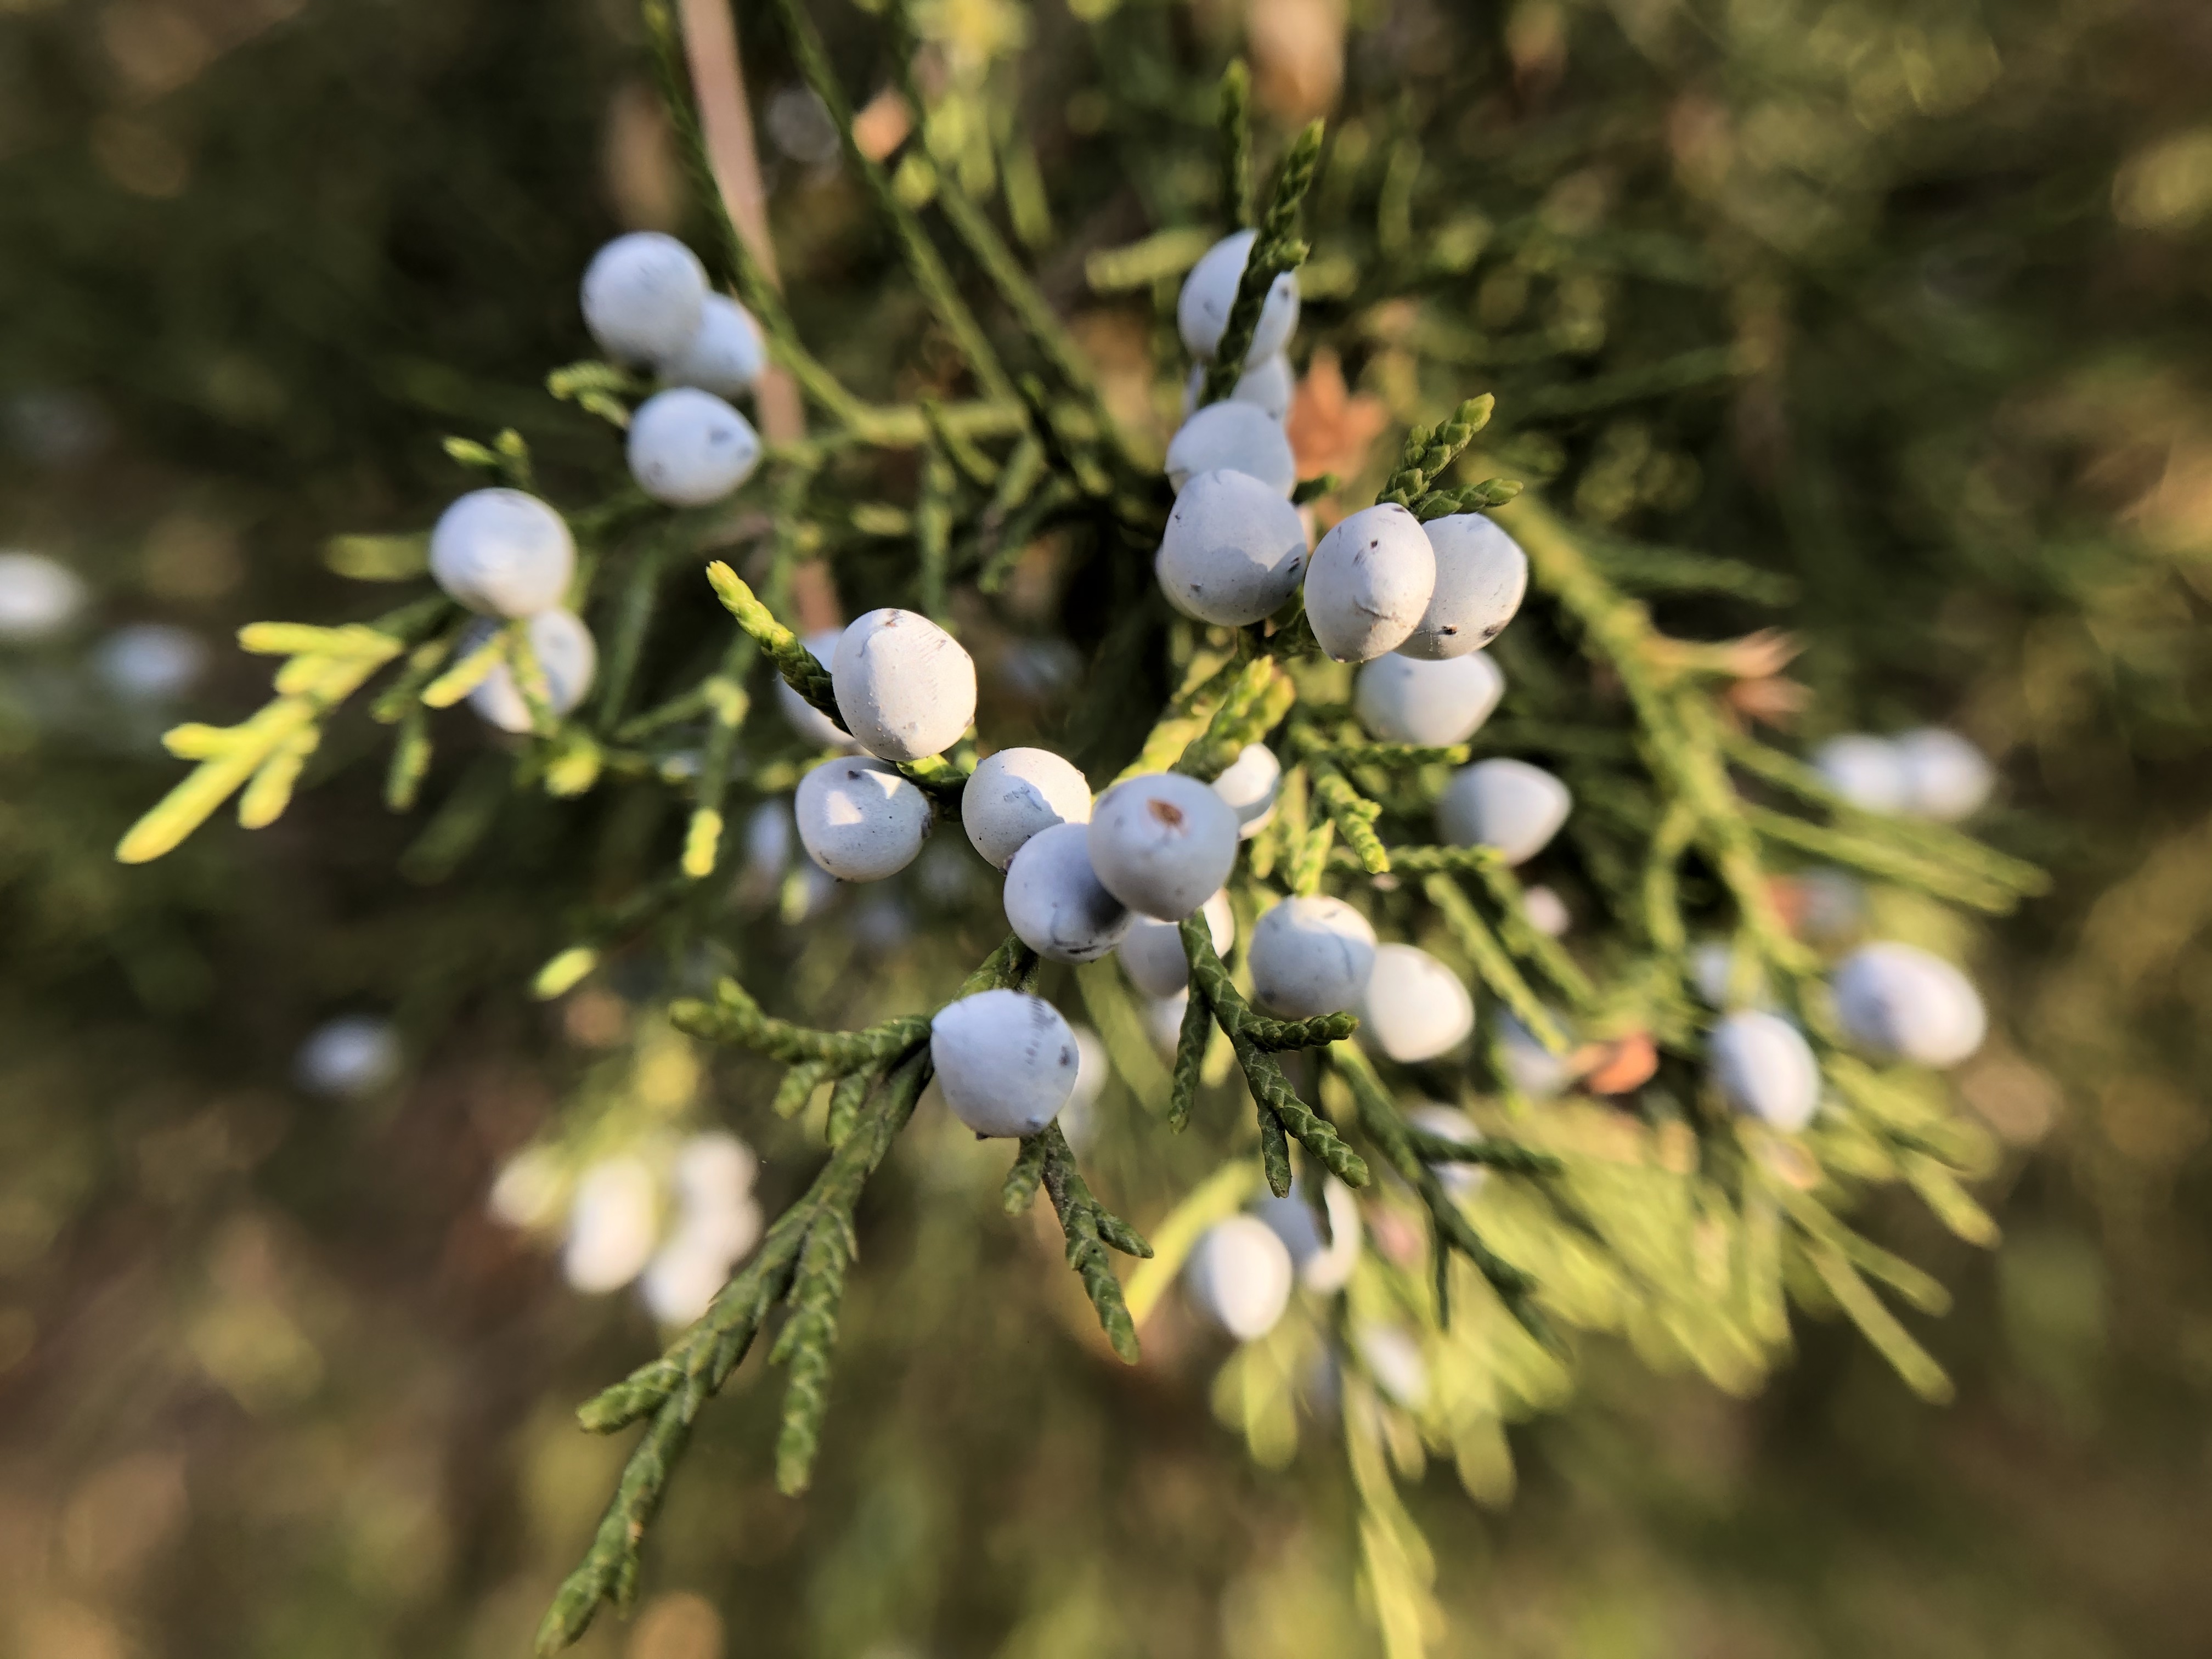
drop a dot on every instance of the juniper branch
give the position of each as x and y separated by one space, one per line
1023 1179
1278 1035
1091 1229
810 1242
1258 699
1528 941
740 268
733 1017
1352 813
1280 1110
1189 1055
1380 1120
804 1255
1234 120
1389 754
1490 962
1275 250
800 672
923 261
1428 451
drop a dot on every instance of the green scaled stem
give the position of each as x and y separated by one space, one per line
1389 754
1352 813
800 672
1429 452
1281 1112
1506 1155
805 1347
803 1256
734 1016
1235 120
1020 1189
1490 962
1379 1118
1258 698
1274 251
1189 1056
1091 1229
1280 1036
933 532
671 1390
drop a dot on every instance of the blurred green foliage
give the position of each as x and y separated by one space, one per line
1905 303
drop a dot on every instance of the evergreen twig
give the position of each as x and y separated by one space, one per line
1276 250
1281 1112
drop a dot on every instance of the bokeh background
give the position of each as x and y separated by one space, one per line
1908 302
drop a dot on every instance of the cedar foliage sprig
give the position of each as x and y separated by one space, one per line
801 1262
1701 806
1276 250
1089 1227
1282 1114
1379 1120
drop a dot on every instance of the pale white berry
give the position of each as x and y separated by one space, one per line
1532 1068
1400 699
1078 1119
1392 1356
904 686
1508 804
644 296
1162 1017
1866 772
1369 583
567 661
1162 843
1269 384
726 355
1546 911
1015 794
682 1278
1763 1066
612 1223
1240 1275
1151 950
1712 971
345 1058
1310 956
503 553
1233 437
859 819
1006 1062
1449 1123
1233 550
1904 1003
714 1172
1202 308
1481 576
1250 785
39 596
1946 777
769 834
1834 905
1323 1265
1415 1008
530 1190
1054 903
688 448
816 729
150 662
718 1220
